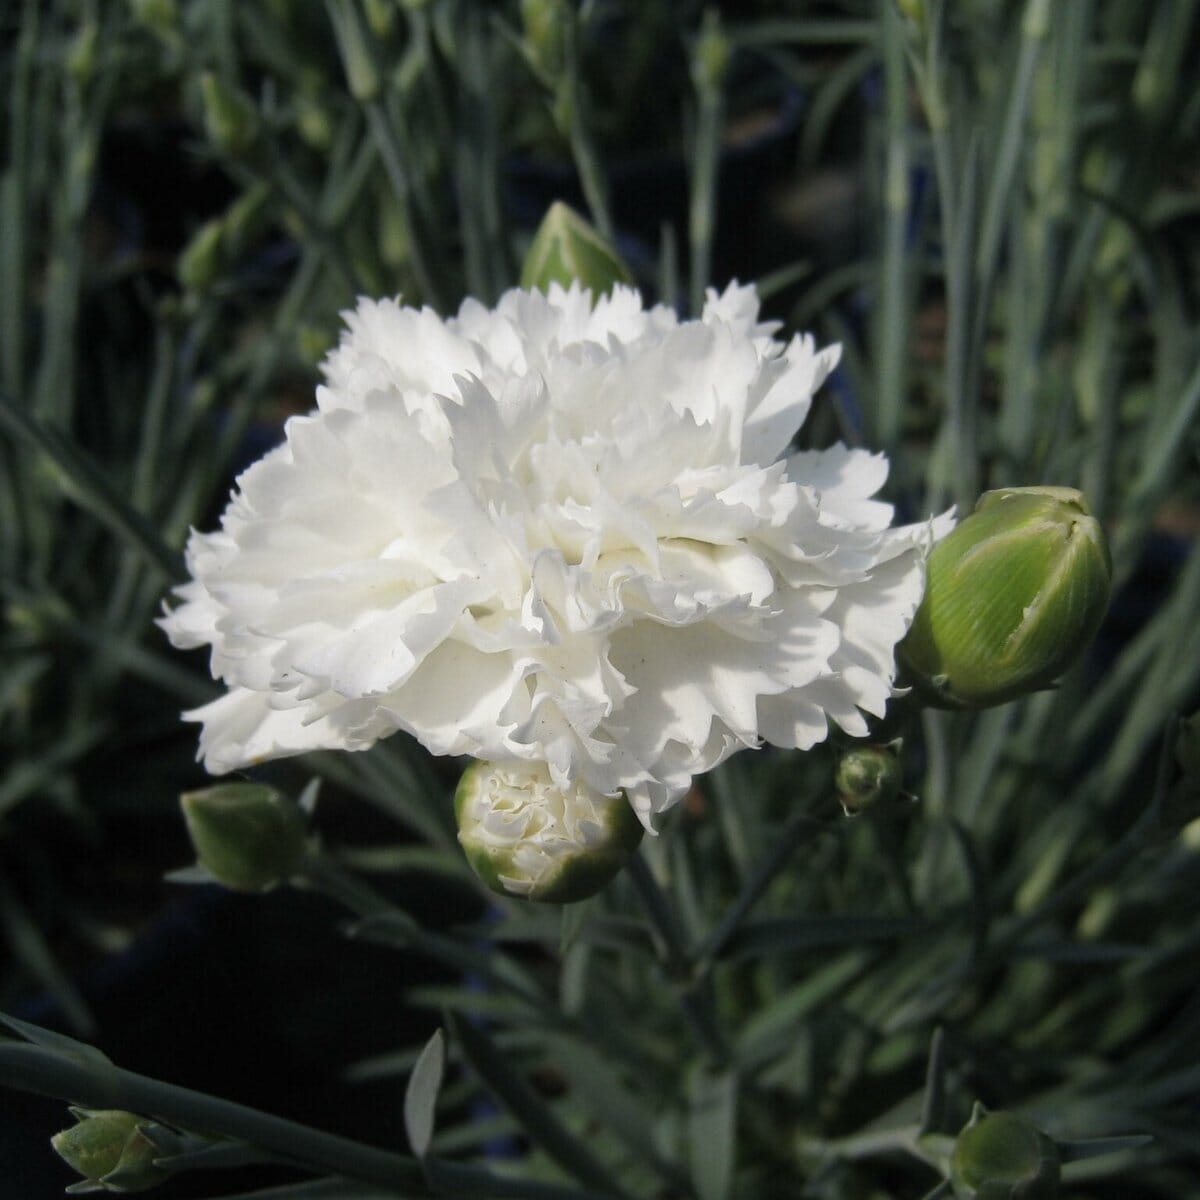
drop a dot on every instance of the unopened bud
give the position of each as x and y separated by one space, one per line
381 17
358 60
230 118
81 57
247 835
159 16
1012 598
108 1148
868 775
201 260
566 248
1001 1156
525 836
313 122
544 25
710 62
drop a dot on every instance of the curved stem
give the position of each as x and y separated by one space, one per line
104 1086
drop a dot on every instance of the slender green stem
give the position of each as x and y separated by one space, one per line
794 834
393 155
893 308
694 994
574 99
45 1073
702 210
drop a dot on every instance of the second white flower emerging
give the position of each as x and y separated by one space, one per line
557 532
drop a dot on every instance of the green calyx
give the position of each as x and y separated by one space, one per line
249 836
868 775
566 248
1001 1156
108 1148
1012 598
525 837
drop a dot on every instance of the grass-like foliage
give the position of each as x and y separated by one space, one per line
993 205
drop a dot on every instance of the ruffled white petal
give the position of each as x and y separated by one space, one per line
557 531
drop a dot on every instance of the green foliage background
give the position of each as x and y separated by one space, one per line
1013 276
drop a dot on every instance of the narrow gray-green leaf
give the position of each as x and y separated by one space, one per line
420 1097
712 1121
47 1039
84 481
1094 1147
540 1122
813 933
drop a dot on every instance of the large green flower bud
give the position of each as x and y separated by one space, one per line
1001 1156
566 248
108 1148
1012 598
525 836
249 836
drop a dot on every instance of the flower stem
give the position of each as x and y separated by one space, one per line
695 994
47 1073
798 830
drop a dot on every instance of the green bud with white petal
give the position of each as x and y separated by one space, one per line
868 775
1001 1156
525 836
1012 598
566 248
248 836
109 1149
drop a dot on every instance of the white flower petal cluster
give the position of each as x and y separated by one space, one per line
554 531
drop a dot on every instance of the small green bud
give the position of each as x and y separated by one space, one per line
313 342
81 57
1012 598
914 10
394 245
246 217
159 16
544 26
524 836
201 260
313 122
108 1148
1001 1156
247 835
566 248
867 775
358 61
381 17
710 61
230 118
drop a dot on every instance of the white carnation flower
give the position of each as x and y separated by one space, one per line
556 532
